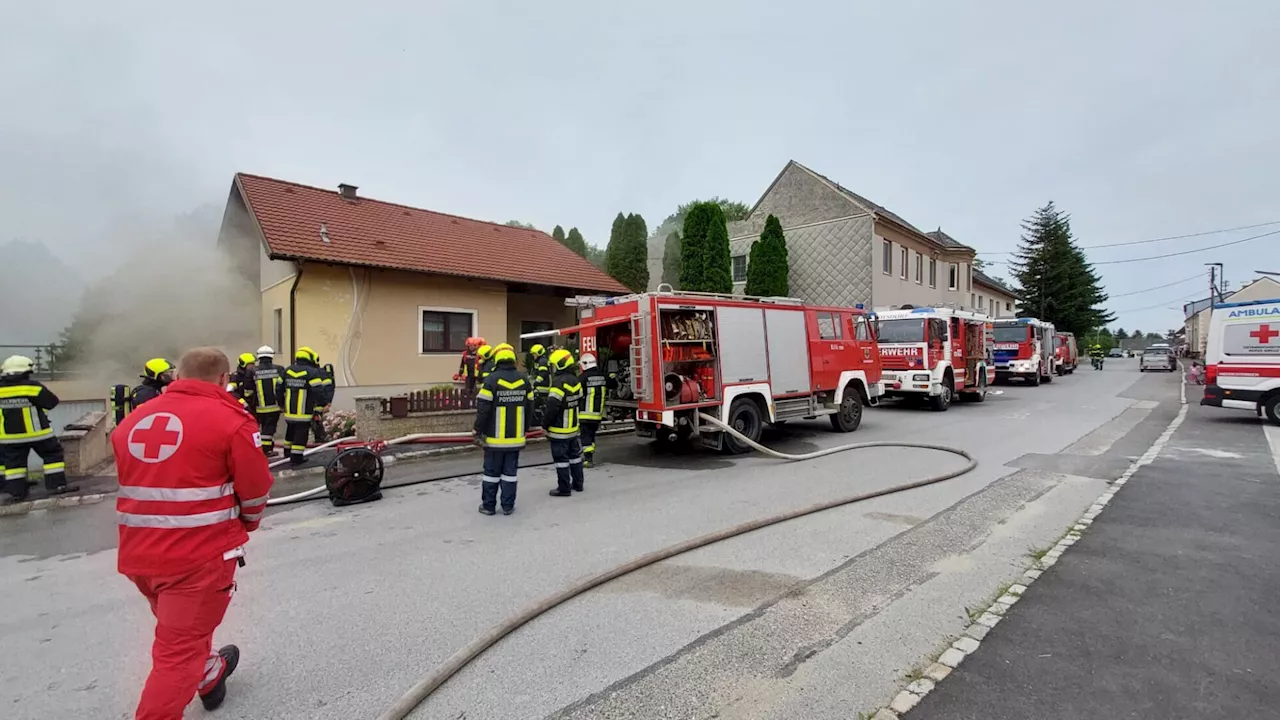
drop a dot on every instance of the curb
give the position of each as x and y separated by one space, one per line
30 506
971 639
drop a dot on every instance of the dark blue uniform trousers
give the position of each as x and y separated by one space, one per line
500 468
567 455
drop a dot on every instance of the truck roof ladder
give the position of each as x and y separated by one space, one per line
664 290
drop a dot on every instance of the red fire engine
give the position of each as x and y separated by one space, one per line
743 360
935 353
1065 355
1024 349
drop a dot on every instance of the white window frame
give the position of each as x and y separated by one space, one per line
933 272
886 257
277 330
745 261
968 278
919 268
904 256
953 276
475 324
980 301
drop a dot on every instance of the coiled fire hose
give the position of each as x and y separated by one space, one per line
429 684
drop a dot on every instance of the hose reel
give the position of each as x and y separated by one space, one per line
354 475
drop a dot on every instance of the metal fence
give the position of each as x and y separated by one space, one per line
45 358
432 400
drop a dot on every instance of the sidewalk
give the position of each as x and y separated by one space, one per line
1167 608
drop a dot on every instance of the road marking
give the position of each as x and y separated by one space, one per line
1273 439
1218 454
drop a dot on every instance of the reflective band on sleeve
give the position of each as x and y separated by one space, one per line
132 492
255 501
177 521
485 394
251 517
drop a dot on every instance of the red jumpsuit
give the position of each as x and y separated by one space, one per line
193 484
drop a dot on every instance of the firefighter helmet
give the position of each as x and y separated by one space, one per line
504 354
245 359
504 346
484 352
537 351
266 351
562 359
155 369
306 353
588 361
17 365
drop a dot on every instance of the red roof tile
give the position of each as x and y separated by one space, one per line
371 232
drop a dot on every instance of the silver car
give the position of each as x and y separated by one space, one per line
1157 359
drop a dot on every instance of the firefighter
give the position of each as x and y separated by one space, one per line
1096 355
304 391
24 426
502 411
156 374
317 420
595 385
469 367
193 485
118 399
540 374
267 391
241 383
560 421
484 354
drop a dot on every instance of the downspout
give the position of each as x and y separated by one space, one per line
293 309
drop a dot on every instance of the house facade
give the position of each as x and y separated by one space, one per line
1197 314
389 293
844 249
993 297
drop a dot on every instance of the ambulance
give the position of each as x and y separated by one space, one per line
935 353
1242 358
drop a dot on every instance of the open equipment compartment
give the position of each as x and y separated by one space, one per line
689 353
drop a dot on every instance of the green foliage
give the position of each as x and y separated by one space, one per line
1137 335
596 256
980 265
558 235
575 242
518 224
704 251
1155 336
767 266
733 211
1120 334
627 257
1057 283
671 260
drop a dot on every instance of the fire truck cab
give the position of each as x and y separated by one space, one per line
1024 349
936 353
743 360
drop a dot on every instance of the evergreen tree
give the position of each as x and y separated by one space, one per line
575 242
767 267
558 234
1137 335
704 250
1056 281
1120 334
627 257
671 260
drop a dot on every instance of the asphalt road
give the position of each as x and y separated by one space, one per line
1164 609
341 610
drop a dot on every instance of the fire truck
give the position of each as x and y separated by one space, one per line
1065 354
936 353
746 361
1023 349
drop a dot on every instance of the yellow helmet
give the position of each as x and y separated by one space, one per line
503 346
306 353
484 351
155 367
504 354
562 359
537 351
246 358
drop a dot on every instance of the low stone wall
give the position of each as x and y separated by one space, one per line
85 444
371 424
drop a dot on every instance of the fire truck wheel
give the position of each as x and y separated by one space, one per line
1034 379
942 400
849 417
745 417
1272 407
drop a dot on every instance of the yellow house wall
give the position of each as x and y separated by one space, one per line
276 296
540 308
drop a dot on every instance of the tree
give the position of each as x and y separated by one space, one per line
1120 334
558 235
1137 335
1056 282
627 257
575 242
980 265
1155 336
671 260
767 267
704 250
518 224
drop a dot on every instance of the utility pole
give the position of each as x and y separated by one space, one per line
1214 270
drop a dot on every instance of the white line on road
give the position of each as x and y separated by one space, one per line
1273 439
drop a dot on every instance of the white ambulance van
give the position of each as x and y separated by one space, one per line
1242 358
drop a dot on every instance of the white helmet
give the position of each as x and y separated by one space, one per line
16 365
266 351
587 361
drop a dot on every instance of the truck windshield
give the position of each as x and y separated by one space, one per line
901 331
1011 333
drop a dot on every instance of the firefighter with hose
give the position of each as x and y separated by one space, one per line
304 391
24 427
596 384
193 485
267 392
560 421
503 409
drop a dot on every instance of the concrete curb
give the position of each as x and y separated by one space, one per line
971 639
29 506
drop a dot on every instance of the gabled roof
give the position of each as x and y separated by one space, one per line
984 279
945 239
300 222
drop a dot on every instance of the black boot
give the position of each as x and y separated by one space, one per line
213 699
63 489
561 492
486 511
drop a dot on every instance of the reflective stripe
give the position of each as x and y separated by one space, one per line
10 474
177 521
134 492
563 465
557 392
589 449
251 517
575 460
25 438
508 478
488 479
562 435
255 501
484 394
212 669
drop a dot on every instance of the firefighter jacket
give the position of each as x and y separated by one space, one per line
304 391
541 375
468 367
595 385
268 387
193 480
146 391
24 407
241 388
486 368
503 408
564 402
326 384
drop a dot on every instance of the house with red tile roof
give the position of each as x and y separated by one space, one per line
389 293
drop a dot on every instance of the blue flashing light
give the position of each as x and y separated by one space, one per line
924 310
859 306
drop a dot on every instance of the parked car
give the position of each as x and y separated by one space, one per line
1154 358
1115 352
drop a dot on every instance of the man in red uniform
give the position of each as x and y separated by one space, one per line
193 485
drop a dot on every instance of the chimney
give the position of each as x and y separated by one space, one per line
348 192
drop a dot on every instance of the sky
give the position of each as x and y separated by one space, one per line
1142 119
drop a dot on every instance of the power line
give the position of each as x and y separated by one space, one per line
1160 305
1197 276
1159 239
1188 252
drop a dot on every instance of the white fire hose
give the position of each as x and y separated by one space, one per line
429 684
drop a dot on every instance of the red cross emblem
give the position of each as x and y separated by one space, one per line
156 437
1264 334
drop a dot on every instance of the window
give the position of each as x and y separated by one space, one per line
887 257
968 278
953 281
533 326
972 301
933 272
919 269
445 330
739 268
903 258
861 329
980 302
829 326
277 329
1008 307
905 330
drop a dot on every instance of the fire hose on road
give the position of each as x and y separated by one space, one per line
429 684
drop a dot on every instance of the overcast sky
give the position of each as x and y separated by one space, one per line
1143 118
